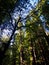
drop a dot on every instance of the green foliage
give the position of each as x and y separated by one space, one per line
30 46
45 10
5 8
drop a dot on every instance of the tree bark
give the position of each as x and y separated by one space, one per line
43 51
33 53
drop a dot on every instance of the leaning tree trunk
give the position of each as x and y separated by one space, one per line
6 45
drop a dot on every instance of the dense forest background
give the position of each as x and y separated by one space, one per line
24 32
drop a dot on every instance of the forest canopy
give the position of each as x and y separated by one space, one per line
24 32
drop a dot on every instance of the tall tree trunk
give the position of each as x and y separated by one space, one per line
43 51
33 52
21 49
21 56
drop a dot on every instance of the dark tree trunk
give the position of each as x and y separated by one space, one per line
43 51
33 53
6 45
